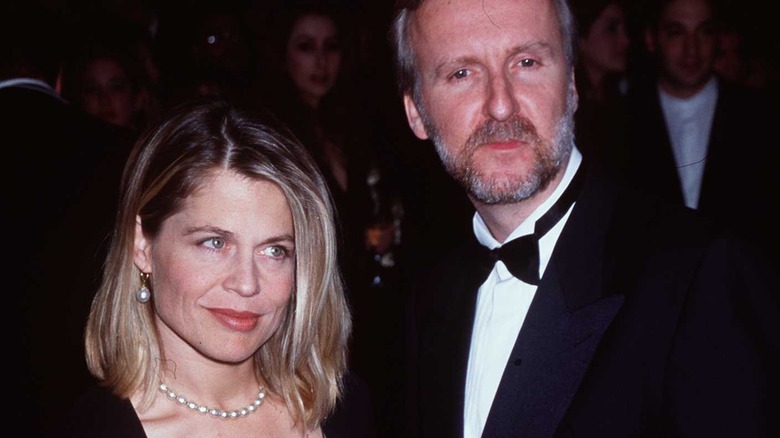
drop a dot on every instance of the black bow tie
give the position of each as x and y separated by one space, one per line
521 255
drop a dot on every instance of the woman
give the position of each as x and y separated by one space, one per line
109 93
109 79
316 96
221 310
317 100
603 46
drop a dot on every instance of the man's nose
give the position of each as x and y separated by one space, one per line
501 102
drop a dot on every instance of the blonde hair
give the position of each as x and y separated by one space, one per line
304 361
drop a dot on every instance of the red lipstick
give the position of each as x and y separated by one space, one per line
235 320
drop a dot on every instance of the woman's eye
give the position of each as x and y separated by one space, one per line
215 243
275 251
119 86
305 46
332 46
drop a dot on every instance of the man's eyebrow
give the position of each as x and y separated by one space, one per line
533 46
446 66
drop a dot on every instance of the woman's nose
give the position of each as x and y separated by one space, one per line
244 276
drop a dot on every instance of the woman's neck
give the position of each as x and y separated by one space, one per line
188 371
596 78
311 101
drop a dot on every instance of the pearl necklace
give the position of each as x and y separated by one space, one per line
216 413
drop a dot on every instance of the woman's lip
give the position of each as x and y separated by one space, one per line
236 320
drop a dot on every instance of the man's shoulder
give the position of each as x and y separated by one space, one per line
45 123
750 111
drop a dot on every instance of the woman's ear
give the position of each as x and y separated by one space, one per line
142 249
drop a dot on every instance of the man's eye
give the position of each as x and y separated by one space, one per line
215 243
460 74
527 62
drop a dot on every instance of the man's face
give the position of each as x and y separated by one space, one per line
686 46
497 97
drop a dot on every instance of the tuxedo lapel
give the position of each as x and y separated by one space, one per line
547 364
569 314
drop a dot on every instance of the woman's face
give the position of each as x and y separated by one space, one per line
108 93
313 56
222 269
605 47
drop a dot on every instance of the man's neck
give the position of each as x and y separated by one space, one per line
682 92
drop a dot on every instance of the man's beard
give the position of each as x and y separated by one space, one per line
549 157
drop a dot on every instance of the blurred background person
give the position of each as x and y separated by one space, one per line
698 140
601 77
313 47
109 92
743 56
731 60
108 80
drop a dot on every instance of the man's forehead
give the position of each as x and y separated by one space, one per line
684 11
470 18
491 10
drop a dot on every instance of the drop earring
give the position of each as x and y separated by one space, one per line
143 294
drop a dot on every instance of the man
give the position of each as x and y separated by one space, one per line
695 139
629 319
59 188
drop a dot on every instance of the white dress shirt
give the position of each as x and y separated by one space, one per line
689 122
31 84
502 304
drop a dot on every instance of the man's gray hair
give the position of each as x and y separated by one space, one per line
406 62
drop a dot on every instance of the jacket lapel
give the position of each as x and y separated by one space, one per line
565 323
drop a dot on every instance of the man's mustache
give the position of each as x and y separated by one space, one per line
494 131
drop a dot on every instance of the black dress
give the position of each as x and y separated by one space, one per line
98 413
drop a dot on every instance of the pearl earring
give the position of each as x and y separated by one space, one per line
143 295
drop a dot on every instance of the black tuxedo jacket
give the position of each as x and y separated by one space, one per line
644 324
59 190
740 184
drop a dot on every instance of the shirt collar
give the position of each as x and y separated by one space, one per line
482 232
31 84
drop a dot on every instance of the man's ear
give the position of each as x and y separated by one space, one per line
142 249
575 94
413 118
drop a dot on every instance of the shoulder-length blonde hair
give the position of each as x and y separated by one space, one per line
305 359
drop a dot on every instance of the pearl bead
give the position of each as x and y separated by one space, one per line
216 413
